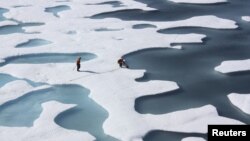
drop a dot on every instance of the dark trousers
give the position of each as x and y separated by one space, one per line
123 64
78 67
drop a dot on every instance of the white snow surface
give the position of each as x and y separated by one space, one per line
246 18
193 139
45 128
233 66
242 101
113 88
199 1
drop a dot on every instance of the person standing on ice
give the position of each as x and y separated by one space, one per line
122 63
78 63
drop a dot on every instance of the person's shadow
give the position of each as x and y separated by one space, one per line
88 71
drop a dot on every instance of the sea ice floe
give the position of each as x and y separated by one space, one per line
87 36
242 101
45 128
199 1
234 66
193 139
113 88
246 18
116 91
189 121
204 21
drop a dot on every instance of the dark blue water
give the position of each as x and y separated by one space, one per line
193 66
48 58
86 116
174 136
57 9
33 43
169 11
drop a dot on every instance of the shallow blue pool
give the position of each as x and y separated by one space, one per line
57 9
48 58
33 43
86 116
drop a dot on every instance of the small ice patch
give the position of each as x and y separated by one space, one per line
193 139
242 101
234 66
199 1
246 18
